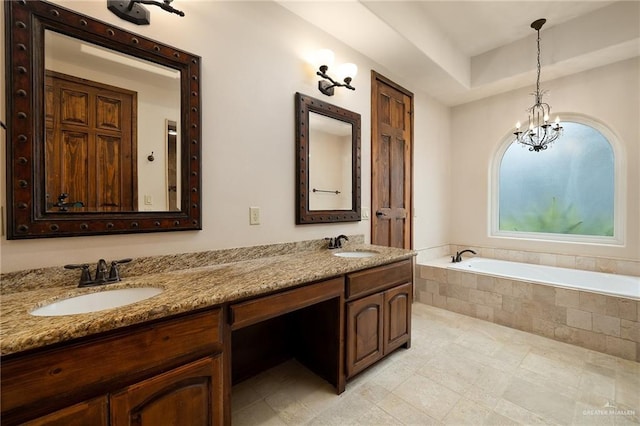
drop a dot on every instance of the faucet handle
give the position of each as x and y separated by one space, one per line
85 276
114 272
332 243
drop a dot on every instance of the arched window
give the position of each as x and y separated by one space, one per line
568 192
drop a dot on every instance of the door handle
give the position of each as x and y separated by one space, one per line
380 213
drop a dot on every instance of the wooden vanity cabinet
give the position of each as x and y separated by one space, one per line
378 313
142 375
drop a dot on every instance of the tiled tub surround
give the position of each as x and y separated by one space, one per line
569 261
190 281
595 321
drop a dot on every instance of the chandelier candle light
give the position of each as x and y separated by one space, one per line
540 133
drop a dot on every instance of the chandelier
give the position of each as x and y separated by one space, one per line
540 133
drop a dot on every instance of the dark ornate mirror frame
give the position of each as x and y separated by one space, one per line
304 216
26 22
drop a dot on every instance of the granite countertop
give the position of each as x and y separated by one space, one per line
184 290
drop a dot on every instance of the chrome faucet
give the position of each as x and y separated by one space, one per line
458 257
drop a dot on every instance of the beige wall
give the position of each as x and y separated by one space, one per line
253 62
608 95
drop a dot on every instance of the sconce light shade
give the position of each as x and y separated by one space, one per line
346 72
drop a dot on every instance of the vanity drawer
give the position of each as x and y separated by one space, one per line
95 365
256 310
375 279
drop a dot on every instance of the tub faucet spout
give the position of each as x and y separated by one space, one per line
458 257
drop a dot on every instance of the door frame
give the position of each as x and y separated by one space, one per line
377 78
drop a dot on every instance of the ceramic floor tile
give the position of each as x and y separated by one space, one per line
467 412
459 371
429 396
405 412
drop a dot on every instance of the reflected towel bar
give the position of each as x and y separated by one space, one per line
324 190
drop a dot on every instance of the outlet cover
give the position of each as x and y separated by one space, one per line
254 215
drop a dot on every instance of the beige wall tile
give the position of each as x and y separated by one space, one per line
630 330
468 280
484 312
457 292
515 256
460 306
503 286
440 301
629 267
606 265
485 298
585 263
453 277
606 325
619 347
579 319
511 304
565 261
433 287
567 298
440 275
613 306
501 254
553 313
425 297
522 290
590 340
502 317
486 283
425 272
543 327
531 257
522 321
548 259
592 302
628 309
544 294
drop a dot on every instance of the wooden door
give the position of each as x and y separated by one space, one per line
397 317
391 163
189 395
90 151
364 333
93 412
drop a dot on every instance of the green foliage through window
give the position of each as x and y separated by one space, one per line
567 189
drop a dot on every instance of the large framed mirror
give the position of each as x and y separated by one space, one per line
328 162
104 128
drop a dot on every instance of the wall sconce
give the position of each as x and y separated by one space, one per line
133 11
346 72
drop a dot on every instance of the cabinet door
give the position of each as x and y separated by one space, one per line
364 332
188 395
397 317
93 412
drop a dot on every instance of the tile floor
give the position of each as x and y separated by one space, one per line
459 371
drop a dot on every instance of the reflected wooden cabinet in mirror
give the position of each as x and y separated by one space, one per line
78 140
327 163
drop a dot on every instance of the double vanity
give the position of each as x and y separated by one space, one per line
215 319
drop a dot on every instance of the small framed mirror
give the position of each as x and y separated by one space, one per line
328 162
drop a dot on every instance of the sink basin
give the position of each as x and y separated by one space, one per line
355 254
95 302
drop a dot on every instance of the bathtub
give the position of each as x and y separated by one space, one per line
595 282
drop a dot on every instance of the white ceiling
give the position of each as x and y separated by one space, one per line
460 51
